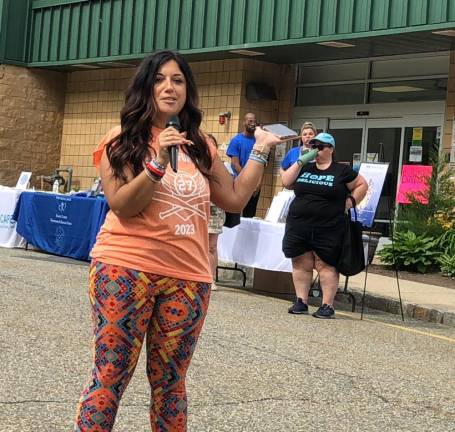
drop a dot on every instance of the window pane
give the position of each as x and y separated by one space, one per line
430 144
330 95
332 72
434 65
385 142
408 91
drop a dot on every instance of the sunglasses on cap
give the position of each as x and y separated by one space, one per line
320 147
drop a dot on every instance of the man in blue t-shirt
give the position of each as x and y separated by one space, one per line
239 151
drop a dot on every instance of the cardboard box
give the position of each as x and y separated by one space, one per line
273 282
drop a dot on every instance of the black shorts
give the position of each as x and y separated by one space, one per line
325 242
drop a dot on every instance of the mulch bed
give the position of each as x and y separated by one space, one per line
428 278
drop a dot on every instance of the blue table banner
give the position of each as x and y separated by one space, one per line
64 225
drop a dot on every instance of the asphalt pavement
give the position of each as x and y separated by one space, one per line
256 368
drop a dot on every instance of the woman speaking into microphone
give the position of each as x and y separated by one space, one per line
150 274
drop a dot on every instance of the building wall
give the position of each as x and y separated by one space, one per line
282 77
92 106
31 113
222 86
450 107
94 100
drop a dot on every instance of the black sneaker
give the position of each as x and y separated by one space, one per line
298 307
325 312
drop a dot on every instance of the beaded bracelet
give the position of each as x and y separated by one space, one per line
256 158
152 177
152 172
260 154
158 165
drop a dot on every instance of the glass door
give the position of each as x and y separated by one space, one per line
383 145
428 138
349 136
372 140
406 140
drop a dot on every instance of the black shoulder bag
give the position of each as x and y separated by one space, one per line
352 258
232 220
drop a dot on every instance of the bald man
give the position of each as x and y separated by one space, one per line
239 151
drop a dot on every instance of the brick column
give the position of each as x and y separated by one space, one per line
31 113
450 107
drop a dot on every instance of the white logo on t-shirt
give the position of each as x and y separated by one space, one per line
185 194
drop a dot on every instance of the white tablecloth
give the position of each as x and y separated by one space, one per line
254 243
8 235
257 243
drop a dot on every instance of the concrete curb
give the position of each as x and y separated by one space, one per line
410 310
382 303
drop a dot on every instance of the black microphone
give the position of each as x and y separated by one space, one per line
173 150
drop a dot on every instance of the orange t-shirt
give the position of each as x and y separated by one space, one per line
170 236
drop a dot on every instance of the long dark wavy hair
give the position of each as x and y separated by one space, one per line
131 146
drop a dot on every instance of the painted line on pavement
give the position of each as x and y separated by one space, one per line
400 327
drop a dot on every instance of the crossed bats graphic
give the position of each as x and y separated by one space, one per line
194 205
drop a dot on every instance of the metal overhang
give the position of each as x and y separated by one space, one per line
292 53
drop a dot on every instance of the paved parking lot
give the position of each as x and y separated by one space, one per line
256 368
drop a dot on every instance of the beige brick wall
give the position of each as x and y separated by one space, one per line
450 107
282 78
31 113
92 107
94 100
222 87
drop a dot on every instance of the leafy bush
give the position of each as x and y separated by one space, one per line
446 242
446 245
410 251
438 215
447 264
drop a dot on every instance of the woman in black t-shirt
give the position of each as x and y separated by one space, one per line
314 226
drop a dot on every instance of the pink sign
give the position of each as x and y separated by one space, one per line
414 182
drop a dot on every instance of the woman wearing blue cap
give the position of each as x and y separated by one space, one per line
314 226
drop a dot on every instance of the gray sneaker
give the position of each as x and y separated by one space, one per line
298 307
325 312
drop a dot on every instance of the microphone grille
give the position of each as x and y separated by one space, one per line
174 122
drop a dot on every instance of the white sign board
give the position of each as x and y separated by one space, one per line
279 207
23 180
415 154
8 235
374 174
280 152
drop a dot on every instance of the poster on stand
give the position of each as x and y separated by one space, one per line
414 181
374 174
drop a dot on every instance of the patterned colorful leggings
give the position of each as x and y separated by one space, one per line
126 306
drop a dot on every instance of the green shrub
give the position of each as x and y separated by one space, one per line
438 215
410 252
446 242
446 259
447 264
